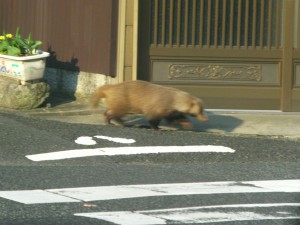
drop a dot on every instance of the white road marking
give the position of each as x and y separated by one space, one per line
202 214
116 139
85 140
36 197
87 194
128 151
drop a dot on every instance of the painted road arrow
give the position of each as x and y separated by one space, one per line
117 151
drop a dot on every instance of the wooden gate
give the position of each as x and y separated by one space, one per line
237 54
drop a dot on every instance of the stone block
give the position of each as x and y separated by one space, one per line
14 95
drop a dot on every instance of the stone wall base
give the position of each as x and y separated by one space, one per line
14 95
73 84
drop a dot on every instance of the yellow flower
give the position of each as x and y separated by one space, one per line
9 35
2 38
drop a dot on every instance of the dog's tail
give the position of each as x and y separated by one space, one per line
97 95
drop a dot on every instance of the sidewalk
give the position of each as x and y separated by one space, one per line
271 123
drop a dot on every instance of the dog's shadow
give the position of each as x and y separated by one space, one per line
216 122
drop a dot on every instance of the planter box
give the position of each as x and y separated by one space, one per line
23 68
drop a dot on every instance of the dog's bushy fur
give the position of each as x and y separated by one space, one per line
154 101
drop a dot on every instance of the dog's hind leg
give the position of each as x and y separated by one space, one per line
109 115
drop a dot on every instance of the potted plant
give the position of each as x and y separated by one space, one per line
20 58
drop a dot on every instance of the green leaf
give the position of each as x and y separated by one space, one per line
13 51
28 40
3 46
20 42
18 35
36 44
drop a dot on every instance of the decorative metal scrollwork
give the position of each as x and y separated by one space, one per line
215 72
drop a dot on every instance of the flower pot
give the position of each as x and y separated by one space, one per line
24 68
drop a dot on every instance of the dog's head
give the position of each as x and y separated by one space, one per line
197 110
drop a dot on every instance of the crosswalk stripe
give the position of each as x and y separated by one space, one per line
133 150
151 190
202 214
35 197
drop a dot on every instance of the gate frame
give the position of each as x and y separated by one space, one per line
287 55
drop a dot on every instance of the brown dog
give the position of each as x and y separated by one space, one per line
155 102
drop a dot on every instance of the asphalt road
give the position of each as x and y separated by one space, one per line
256 158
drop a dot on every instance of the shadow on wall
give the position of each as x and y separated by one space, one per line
61 76
216 122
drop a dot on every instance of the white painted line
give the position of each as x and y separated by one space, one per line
202 214
151 190
128 151
85 140
135 191
35 197
124 218
116 139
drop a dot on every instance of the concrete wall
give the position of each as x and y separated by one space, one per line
73 84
